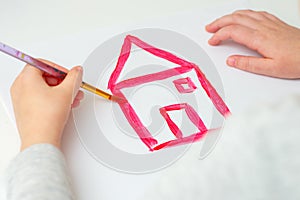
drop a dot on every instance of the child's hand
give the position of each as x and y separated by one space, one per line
276 41
42 104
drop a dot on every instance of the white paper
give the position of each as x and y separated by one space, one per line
94 179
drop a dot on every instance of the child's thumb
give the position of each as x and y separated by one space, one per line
72 81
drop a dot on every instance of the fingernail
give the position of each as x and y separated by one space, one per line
211 41
79 69
214 41
207 27
231 61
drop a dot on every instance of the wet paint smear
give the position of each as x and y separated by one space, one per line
183 67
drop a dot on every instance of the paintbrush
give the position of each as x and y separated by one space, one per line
58 71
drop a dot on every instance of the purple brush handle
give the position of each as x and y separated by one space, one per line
61 74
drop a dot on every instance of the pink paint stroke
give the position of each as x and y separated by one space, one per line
135 122
184 66
131 82
185 81
125 52
191 113
173 127
185 140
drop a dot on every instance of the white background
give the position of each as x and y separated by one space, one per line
28 22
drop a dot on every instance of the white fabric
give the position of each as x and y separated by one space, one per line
38 173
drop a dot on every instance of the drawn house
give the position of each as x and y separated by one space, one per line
183 85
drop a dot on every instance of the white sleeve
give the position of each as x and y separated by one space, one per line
38 172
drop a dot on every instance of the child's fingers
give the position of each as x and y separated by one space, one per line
54 65
75 104
32 71
51 80
31 75
72 81
252 64
34 74
80 95
237 33
78 98
237 18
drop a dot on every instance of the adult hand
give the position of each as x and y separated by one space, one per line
276 41
42 104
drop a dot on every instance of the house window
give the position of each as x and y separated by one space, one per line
184 85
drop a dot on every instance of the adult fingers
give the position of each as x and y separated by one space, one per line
263 66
